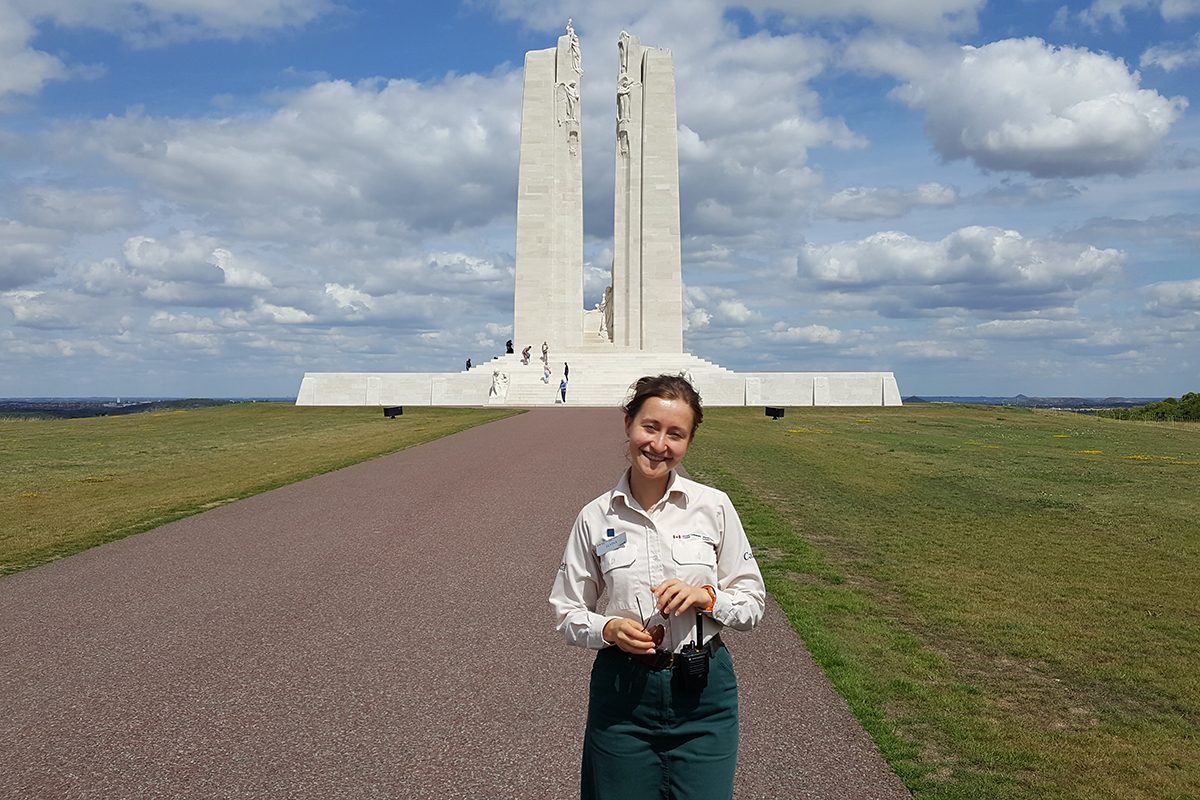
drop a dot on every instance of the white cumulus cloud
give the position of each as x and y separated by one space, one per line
1025 105
1113 11
1172 298
914 15
807 334
49 309
973 268
348 298
78 211
1170 57
182 256
23 70
860 202
156 22
706 304
27 253
1031 328
337 159
238 275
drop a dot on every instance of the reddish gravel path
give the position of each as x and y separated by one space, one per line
381 631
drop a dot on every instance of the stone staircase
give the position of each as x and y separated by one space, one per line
597 378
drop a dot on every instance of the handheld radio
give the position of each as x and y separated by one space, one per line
693 659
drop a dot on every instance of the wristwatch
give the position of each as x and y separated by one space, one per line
712 598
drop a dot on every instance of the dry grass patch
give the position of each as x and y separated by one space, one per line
71 484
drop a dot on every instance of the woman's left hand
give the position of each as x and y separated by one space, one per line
675 596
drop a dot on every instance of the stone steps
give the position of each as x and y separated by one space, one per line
596 378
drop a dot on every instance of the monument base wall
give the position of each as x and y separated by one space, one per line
824 388
596 379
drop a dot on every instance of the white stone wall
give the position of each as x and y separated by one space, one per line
365 389
824 388
598 380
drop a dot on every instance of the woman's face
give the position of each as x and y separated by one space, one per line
659 436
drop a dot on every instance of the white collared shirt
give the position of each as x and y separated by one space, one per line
693 533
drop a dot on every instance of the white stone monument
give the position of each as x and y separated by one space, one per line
548 301
647 273
637 328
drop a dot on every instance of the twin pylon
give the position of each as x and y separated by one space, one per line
642 309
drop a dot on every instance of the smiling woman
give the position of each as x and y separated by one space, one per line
663 708
659 430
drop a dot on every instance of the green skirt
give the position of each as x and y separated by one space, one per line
649 737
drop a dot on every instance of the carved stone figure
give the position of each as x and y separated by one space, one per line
602 307
608 310
573 101
567 101
624 87
623 51
499 391
573 46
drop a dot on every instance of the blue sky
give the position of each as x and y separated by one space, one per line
211 197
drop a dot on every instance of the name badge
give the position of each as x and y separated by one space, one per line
607 545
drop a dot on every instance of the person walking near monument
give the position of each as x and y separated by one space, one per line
468 364
675 564
566 371
562 389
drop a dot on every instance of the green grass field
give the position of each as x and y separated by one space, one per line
72 484
1008 599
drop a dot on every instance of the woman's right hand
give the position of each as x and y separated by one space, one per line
629 635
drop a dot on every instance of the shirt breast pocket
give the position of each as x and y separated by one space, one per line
693 554
616 559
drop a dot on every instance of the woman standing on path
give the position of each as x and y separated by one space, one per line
667 547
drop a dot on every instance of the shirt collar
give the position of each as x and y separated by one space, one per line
679 491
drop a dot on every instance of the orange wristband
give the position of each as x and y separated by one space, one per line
712 598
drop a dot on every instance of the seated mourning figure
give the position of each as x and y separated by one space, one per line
499 391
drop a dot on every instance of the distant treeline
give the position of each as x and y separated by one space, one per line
76 408
1185 408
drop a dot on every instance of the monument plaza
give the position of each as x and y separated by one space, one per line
637 328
